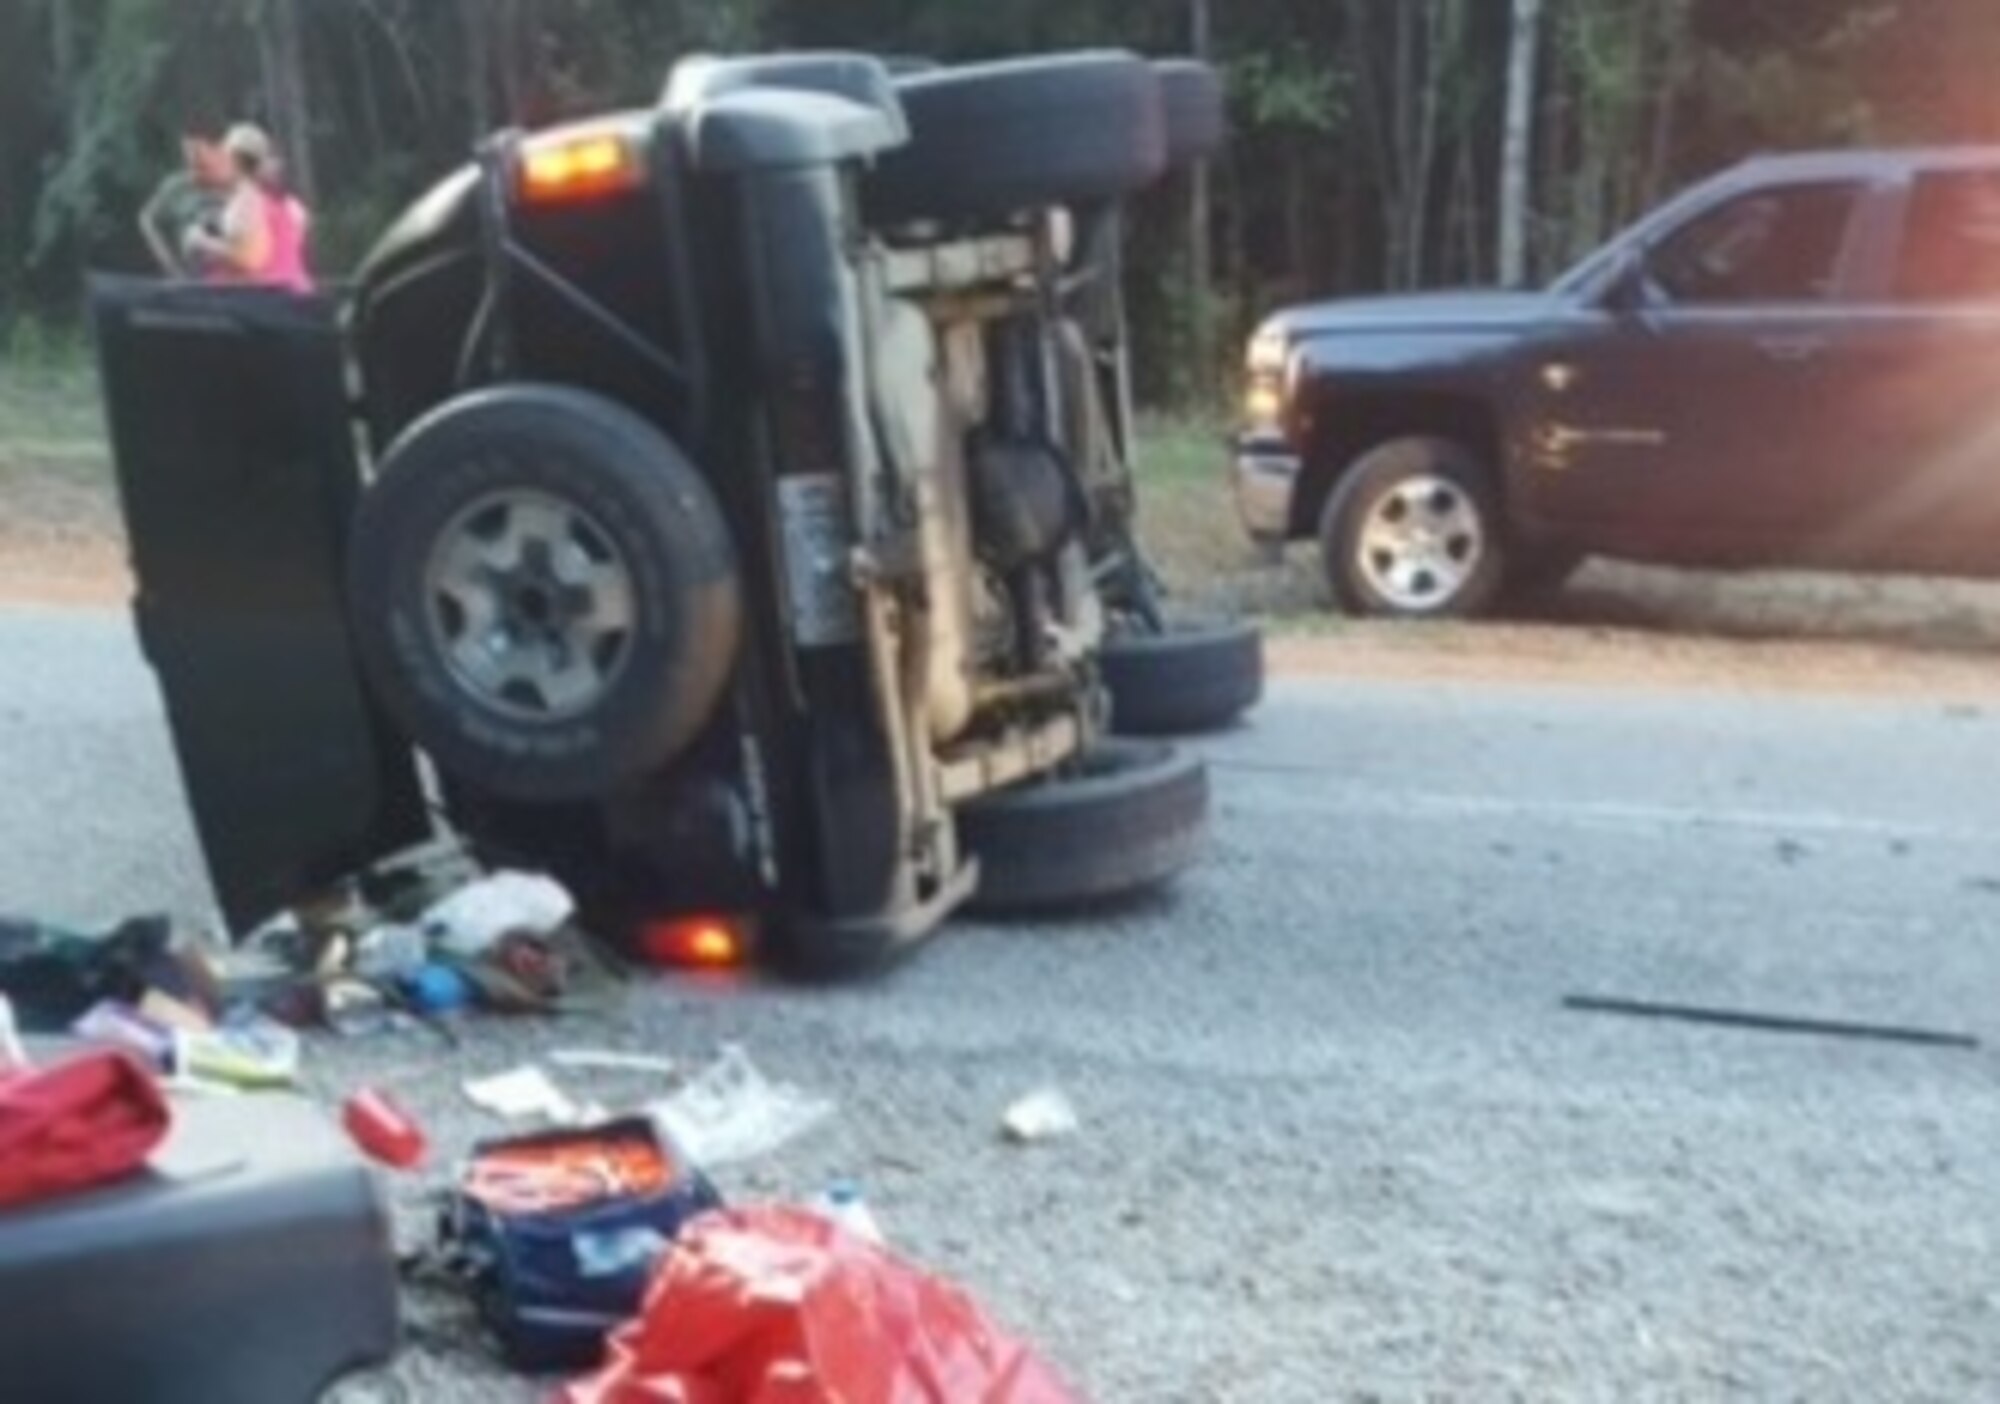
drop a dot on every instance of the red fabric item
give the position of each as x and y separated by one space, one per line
779 1306
76 1125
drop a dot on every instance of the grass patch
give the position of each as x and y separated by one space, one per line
50 417
1188 523
52 436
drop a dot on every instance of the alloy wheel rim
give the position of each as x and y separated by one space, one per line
532 606
1421 543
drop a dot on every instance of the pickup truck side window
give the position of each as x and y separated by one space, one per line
1781 245
1951 243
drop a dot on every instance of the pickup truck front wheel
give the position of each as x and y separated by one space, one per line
1413 530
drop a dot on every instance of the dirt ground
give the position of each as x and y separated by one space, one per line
61 544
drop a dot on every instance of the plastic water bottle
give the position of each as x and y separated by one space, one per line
843 1203
13 1058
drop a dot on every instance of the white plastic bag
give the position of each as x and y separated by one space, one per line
731 1113
477 917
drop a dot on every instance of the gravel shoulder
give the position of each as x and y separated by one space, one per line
1339 1140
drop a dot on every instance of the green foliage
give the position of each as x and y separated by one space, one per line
1290 88
91 185
1365 148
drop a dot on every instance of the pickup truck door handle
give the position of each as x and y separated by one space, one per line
1792 349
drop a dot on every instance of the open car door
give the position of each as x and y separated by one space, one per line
237 471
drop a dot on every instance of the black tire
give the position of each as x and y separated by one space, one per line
860 78
1196 113
629 507
995 139
1443 583
1132 816
1183 682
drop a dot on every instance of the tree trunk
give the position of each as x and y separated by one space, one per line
478 58
1517 142
63 47
1666 102
1201 252
289 113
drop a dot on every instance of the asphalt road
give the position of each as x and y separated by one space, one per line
1340 1139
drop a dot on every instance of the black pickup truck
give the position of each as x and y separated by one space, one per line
1795 363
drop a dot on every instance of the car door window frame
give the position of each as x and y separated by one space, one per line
1887 292
1857 253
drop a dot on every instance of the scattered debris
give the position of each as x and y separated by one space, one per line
384 1131
55 976
1768 1023
120 1026
12 1056
521 1094
786 1299
434 989
602 1060
843 1203
256 1055
390 953
1045 1115
480 915
729 1112
558 1234
85 1122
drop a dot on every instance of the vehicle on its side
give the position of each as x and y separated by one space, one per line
746 522
1793 364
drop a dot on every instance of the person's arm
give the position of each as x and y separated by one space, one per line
152 219
245 241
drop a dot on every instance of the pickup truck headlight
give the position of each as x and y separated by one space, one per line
1264 393
1269 351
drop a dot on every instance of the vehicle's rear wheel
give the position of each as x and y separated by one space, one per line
543 593
1130 816
995 139
1413 530
1184 681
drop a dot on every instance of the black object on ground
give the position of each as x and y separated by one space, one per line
54 976
1768 1023
252 1263
558 1235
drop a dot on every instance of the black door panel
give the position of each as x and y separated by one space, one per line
237 473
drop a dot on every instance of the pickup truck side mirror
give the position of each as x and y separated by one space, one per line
1629 290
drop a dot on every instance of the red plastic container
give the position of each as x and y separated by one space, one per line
384 1131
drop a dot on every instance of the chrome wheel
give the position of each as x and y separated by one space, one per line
532 605
1422 543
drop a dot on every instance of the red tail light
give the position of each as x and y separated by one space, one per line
696 942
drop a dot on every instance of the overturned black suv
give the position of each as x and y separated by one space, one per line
748 520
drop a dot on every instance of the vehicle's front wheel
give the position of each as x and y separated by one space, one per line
1413 530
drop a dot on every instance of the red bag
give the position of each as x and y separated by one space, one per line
79 1124
778 1306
